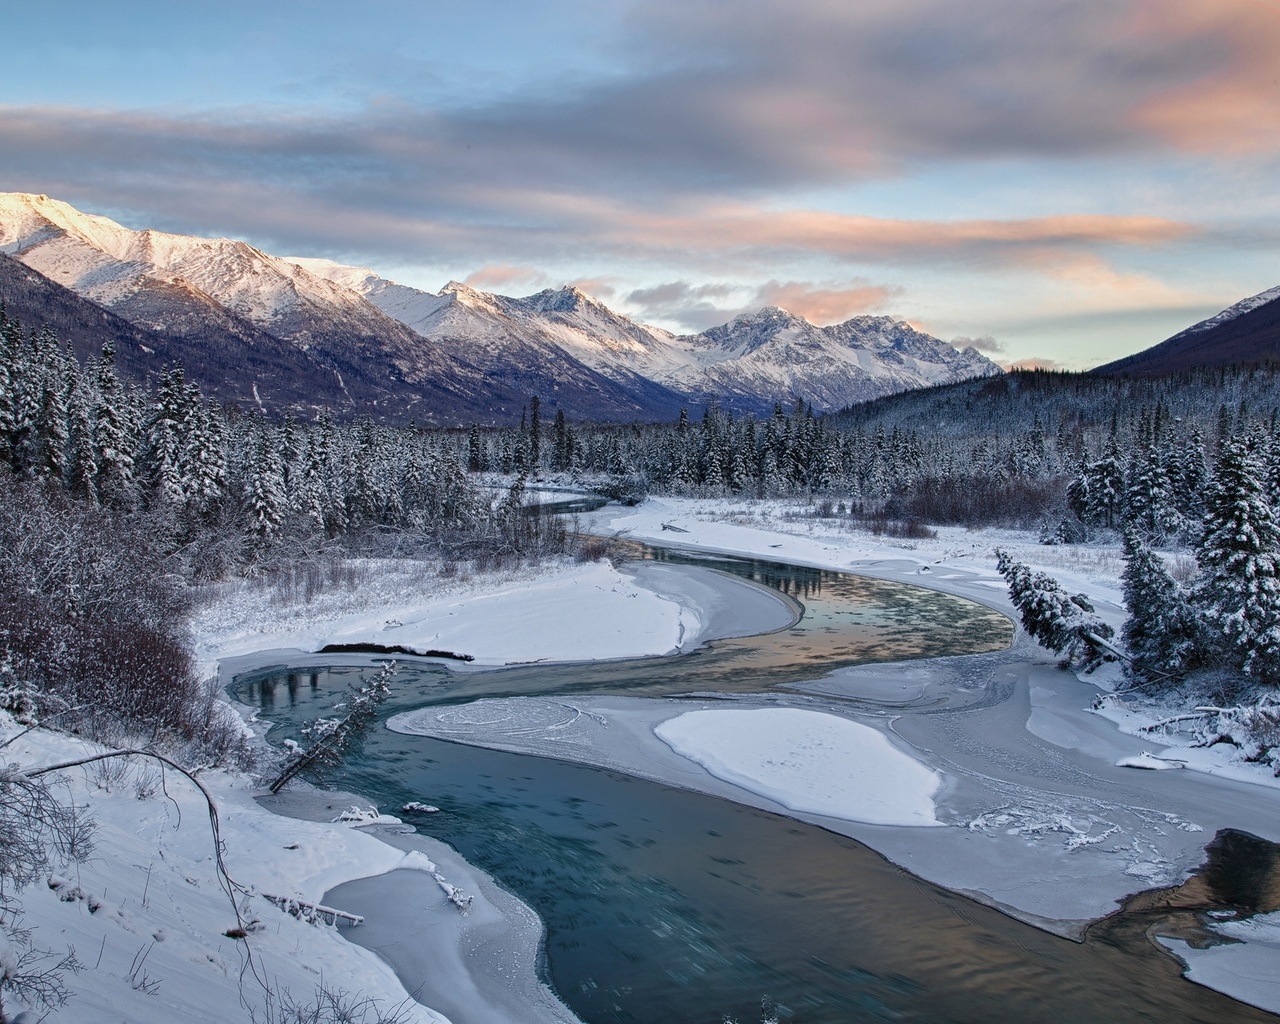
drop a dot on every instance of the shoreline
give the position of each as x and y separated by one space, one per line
488 961
1053 727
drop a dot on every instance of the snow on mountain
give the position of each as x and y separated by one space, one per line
459 354
748 363
113 266
1232 312
776 355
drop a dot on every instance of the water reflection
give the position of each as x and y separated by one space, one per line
663 905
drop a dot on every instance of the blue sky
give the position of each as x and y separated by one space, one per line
1061 180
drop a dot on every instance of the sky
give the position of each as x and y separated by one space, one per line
1056 181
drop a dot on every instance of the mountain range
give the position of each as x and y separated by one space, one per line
308 333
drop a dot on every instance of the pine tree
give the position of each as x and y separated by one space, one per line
1162 633
1239 558
53 422
1149 504
164 444
1106 488
265 490
113 446
1062 622
535 434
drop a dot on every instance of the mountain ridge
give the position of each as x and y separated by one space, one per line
1245 333
353 341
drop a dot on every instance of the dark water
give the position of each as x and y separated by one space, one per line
671 907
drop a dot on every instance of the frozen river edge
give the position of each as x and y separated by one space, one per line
1046 827
482 966
1034 797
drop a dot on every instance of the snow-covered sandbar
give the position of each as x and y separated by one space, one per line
578 612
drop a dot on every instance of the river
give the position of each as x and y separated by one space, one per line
665 905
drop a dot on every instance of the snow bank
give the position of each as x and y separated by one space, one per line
565 613
1244 969
147 915
808 761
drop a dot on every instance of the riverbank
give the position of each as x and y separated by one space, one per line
1026 779
147 914
1046 824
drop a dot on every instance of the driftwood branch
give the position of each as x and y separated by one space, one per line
312 912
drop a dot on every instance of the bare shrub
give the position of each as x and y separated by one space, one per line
37 832
980 500
330 1006
93 624
1183 569
908 529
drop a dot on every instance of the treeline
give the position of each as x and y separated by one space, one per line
1065 452
115 496
222 489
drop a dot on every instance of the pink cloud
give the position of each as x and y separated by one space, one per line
825 305
496 277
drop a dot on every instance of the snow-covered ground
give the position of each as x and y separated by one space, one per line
1044 823
527 615
147 914
149 917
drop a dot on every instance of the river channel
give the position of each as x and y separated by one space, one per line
668 906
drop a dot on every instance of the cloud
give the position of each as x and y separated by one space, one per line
497 277
985 343
710 101
1231 103
697 307
597 287
732 228
1034 363
694 307
825 305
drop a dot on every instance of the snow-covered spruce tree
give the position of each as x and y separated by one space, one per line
1149 507
1106 488
1162 634
264 490
1062 622
1239 558
113 441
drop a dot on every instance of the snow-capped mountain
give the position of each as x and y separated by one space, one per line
747 364
241 312
775 353
285 329
1232 312
1247 332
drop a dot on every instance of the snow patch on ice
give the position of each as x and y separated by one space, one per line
808 761
1148 761
1243 966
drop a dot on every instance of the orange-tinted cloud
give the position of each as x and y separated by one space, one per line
1234 104
705 305
859 238
824 305
496 277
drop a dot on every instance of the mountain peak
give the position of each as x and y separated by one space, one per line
560 300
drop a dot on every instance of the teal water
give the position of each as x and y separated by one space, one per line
667 906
